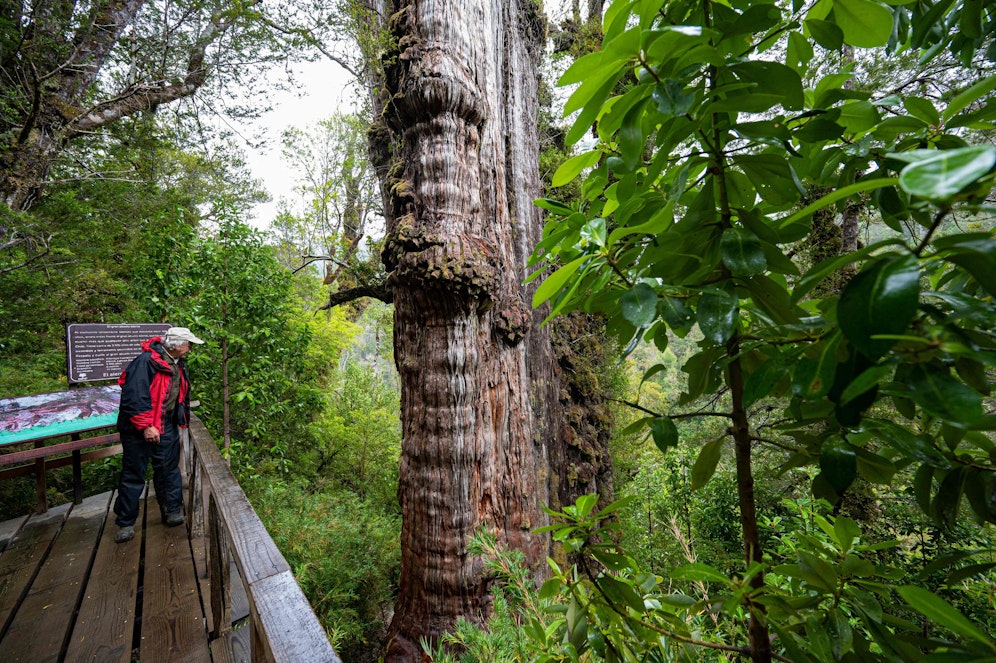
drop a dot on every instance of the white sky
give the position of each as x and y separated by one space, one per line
321 92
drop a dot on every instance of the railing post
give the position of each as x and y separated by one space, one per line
40 487
221 586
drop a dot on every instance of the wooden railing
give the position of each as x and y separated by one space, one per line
280 625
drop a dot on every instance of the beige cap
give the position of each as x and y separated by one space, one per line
182 334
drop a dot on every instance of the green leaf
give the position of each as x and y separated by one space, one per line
939 393
705 464
813 377
573 166
865 23
839 194
881 300
858 116
773 76
772 176
699 572
717 315
762 380
639 305
671 99
948 172
975 252
826 33
868 379
553 283
664 432
742 252
939 611
838 463
965 98
923 109
677 316
620 593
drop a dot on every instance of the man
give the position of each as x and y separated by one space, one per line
155 405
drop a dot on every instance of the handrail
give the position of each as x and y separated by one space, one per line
283 626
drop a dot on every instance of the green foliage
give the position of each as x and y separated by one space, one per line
713 125
828 596
343 552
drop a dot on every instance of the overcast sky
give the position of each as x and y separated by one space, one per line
322 91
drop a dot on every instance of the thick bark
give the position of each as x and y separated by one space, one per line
459 155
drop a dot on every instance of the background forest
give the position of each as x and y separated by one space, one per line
147 219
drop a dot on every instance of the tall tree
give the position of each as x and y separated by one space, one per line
459 151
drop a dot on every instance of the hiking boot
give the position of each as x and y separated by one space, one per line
125 534
173 519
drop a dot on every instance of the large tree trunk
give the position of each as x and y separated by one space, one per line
479 391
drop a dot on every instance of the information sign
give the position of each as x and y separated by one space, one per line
101 352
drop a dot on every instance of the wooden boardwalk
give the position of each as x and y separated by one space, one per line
68 592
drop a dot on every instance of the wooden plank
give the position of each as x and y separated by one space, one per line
105 625
41 624
172 620
22 559
285 620
52 463
255 552
9 529
52 449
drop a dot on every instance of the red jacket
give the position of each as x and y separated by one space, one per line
145 385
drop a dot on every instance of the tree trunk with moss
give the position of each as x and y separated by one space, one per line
458 154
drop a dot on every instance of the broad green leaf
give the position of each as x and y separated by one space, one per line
839 194
881 300
838 463
717 315
858 116
676 314
975 252
826 33
664 432
699 572
639 305
865 23
772 176
963 99
553 283
923 109
620 593
800 52
948 172
573 166
671 99
761 381
939 393
705 464
814 376
742 252
947 502
939 611
868 379
773 76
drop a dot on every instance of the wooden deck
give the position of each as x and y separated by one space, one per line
68 592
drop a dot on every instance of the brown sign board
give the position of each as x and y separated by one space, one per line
100 352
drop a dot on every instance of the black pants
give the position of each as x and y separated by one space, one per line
166 477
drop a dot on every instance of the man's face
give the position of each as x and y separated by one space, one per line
181 351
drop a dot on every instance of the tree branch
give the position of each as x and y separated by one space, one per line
381 291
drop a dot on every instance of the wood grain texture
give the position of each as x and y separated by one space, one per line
281 612
22 558
104 626
8 529
39 628
172 620
254 551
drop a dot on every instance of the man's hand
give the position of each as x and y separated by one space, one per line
151 434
